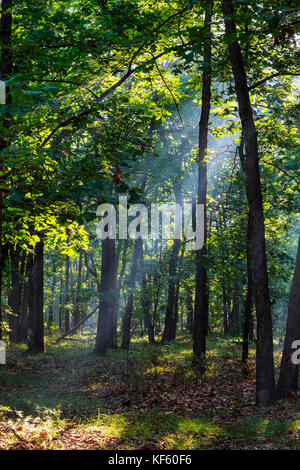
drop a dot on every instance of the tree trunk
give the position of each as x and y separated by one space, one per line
107 304
201 295
265 382
36 315
289 372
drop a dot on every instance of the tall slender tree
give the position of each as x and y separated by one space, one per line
265 382
201 295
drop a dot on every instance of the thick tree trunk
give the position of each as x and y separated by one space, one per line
36 309
289 372
201 295
265 382
107 304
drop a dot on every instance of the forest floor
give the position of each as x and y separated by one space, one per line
70 398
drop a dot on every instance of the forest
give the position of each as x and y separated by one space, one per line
149 225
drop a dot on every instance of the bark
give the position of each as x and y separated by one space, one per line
201 295
265 382
107 304
289 372
36 315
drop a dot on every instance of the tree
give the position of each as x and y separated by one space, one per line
36 305
265 391
201 295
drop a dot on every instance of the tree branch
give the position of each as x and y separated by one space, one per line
283 171
77 325
269 77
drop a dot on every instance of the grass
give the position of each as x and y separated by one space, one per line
151 398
